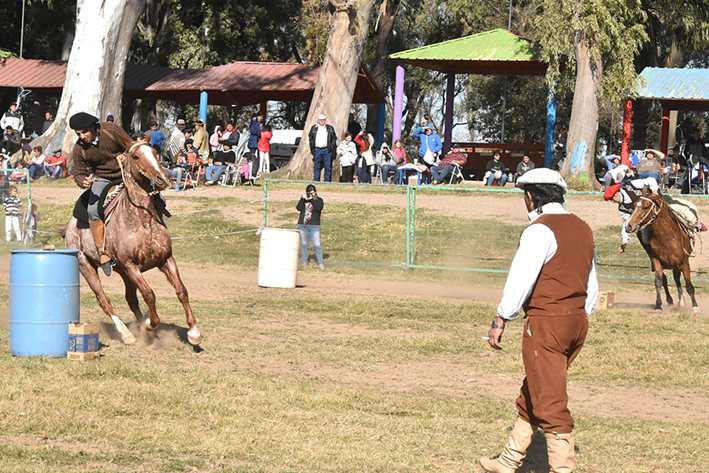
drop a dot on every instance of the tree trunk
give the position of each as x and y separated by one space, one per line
387 15
96 69
583 126
337 79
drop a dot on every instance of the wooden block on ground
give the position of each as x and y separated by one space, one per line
82 355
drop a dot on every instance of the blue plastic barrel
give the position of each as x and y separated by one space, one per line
44 299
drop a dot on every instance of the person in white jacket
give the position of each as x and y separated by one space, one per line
347 152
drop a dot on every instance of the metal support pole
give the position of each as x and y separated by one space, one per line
398 102
381 115
203 107
22 28
627 120
408 226
551 124
450 98
265 202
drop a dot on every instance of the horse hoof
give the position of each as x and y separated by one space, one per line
194 336
128 339
148 326
658 309
696 310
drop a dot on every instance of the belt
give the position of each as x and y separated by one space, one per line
321 148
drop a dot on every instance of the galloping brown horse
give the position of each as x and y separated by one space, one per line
667 244
137 240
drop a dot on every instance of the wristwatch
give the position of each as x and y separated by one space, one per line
494 325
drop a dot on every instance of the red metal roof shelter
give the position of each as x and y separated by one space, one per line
239 83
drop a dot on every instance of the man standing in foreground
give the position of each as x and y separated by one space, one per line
553 276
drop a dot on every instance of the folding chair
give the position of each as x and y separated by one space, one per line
378 175
456 174
229 175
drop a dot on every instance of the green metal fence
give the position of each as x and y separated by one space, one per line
451 228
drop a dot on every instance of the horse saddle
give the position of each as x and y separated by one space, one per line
107 202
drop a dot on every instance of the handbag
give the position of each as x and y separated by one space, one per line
429 158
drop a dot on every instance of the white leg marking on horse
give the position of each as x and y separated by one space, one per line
147 326
194 336
127 337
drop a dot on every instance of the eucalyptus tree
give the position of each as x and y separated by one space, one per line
600 39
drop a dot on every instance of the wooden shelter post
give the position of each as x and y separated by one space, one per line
664 137
551 124
398 101
381 116
627 119
450 98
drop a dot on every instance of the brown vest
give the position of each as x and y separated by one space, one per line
561 286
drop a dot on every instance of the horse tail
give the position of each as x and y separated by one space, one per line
61 229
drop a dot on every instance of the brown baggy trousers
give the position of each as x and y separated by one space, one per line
549 345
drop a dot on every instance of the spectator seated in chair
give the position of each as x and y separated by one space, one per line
523 166
219 163
55 165
388 163
495 171
444 168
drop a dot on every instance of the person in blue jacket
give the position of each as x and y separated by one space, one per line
429 142
157 138
254 136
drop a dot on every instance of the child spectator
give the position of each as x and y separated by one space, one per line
11 205
55 165
20 175
347 152
399 151
264 149
366 159
214 140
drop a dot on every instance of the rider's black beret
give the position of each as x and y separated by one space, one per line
82 120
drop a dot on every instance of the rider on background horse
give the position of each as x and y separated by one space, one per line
625 193
96 154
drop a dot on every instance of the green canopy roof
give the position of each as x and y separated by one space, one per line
495 52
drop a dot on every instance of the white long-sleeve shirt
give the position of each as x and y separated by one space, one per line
537 246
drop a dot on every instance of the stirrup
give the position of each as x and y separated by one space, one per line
107 267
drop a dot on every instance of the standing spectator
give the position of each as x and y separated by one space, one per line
559 149
264 149
221 158
310 207
11 206
352 126
431 144
214 140
177 139
553 277
442 170
231 134
399 151
365 159
495 169
36 164
55 165
524 166
387 162
347 152
201 139
11 141
49 119
323 146
254 136
651 165
157 138
13 118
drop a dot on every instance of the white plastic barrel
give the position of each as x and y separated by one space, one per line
278 258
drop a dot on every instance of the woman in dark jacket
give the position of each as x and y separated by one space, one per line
310 207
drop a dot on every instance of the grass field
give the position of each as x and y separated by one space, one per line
340 380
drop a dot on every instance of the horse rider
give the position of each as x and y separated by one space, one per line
96 154
553 277
626 193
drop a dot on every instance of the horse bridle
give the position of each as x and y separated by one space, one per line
655 209
140 170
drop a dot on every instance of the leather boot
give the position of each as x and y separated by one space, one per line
516 449
561 452
97 231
